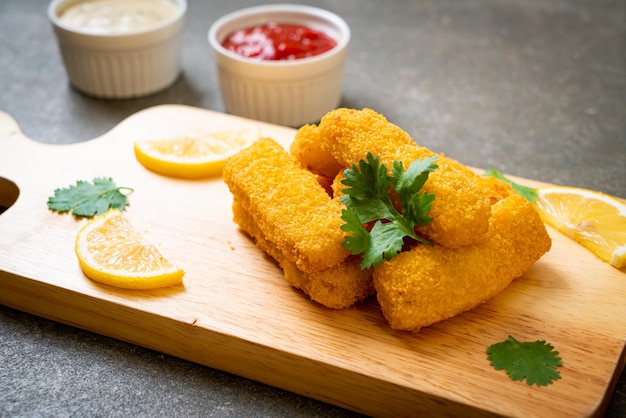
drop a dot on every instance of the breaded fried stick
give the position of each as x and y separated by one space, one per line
307 148
428 284
337 287
288 205
460 210
494 188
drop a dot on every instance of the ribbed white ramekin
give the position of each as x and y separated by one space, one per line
120 66
289 93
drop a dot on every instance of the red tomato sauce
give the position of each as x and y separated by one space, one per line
278 41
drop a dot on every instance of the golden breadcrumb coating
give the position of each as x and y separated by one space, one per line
337 186
306 147
289 206
460 210
428 284
495 188
337 288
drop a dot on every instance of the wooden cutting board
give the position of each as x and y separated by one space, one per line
236 313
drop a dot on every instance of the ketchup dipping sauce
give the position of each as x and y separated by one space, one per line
280 63
278 42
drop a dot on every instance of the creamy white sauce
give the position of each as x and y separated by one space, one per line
117 16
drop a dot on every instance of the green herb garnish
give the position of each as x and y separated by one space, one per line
89 199
367 200
536 361
528 193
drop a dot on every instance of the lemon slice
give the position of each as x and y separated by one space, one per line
194 156
111 251
593 219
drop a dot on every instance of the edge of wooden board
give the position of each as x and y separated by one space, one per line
223 346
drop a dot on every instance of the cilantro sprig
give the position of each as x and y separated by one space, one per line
535 361
87 199
526 192
367 200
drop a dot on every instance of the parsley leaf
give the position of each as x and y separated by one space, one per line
367 200
526 192
536 361
89 199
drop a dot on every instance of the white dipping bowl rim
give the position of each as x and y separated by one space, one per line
120 65
258 15
56 7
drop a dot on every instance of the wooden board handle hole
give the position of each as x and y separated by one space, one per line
8 194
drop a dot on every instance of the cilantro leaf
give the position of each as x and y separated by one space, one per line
536 361
407 185
526 192
89 199
367 200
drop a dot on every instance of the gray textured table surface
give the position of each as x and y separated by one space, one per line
534 88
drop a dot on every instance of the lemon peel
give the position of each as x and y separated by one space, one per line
193 156
595 220
111 251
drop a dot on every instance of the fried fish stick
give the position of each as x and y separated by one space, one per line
428 284
338 287
306 147
494 188
289 206
460 210
336 186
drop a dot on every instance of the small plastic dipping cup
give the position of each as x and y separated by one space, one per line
112 50
289 92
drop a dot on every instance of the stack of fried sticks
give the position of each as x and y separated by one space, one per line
485 235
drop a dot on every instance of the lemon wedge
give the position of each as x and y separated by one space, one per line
595 220
196 156
111 251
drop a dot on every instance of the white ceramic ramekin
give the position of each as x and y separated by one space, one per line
289 93
118 66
